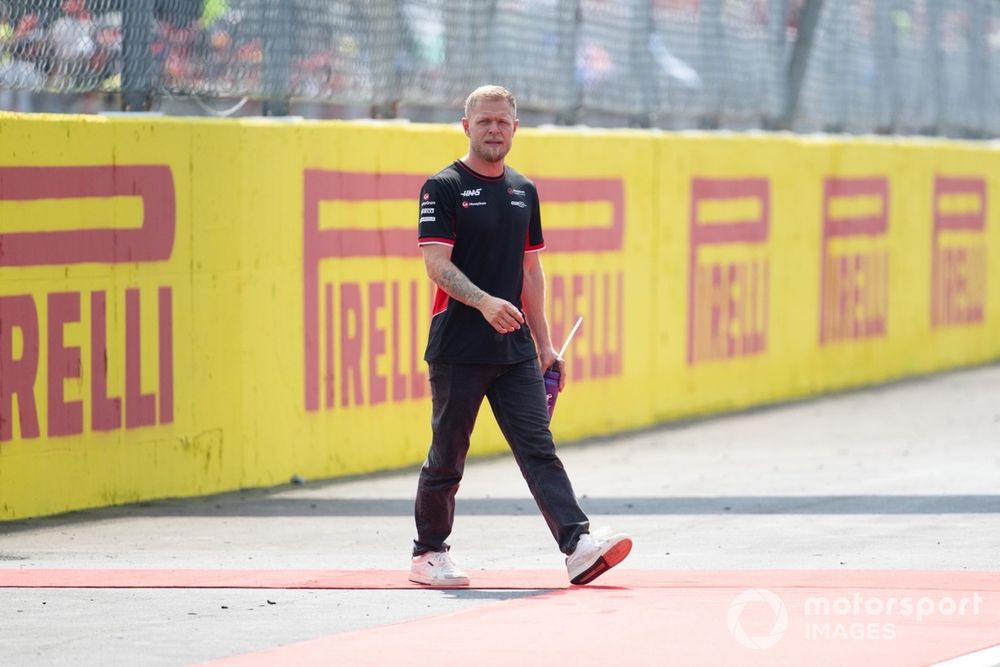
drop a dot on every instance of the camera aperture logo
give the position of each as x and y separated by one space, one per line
755 597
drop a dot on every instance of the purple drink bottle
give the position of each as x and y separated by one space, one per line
551 378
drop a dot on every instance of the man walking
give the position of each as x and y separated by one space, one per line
480 233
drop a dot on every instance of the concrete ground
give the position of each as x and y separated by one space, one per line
890 492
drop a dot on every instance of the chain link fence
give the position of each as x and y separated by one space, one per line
894 66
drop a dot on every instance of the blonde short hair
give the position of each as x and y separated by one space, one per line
490 92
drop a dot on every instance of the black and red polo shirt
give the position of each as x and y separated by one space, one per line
489 222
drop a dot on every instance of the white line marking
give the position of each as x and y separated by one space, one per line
987 657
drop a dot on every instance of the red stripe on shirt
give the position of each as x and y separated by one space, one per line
440 302
436 239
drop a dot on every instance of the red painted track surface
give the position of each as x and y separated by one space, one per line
629 617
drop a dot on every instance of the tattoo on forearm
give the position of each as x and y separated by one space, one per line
458 285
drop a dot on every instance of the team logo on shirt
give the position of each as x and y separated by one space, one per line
472 193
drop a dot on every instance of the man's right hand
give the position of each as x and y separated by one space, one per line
501 314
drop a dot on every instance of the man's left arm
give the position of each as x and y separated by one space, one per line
533 304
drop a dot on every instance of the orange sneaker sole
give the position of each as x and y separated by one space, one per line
614 555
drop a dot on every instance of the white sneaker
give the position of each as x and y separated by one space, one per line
595 554
437 568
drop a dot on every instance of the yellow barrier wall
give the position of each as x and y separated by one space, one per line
191 306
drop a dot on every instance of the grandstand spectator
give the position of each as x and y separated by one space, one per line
18 74
71 39
172 50
106 63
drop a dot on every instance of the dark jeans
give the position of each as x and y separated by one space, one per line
517 395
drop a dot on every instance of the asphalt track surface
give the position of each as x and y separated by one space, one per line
859 528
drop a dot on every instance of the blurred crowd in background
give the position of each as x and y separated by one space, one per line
72 46
925 66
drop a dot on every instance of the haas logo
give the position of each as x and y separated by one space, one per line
472 193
